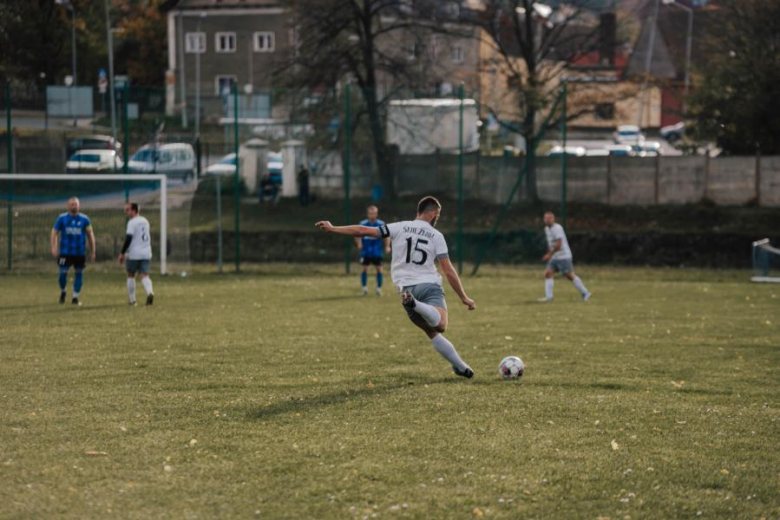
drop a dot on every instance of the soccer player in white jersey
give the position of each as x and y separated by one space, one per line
416 246
559 259
137 252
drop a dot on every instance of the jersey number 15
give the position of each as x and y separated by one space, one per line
409 251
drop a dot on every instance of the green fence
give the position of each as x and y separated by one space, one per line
360 147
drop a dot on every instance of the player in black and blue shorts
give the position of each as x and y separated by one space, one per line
72 229
372 250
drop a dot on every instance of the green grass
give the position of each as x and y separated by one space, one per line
280 394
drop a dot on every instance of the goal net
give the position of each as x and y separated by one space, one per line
30 204
766 262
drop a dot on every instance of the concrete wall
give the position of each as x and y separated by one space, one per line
604 180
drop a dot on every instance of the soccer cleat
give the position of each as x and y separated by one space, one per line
467 372
364 292
544 299
150 299
379 291
132 303
586 296
75 301
62 298
407 300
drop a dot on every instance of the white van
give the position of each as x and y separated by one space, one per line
176 160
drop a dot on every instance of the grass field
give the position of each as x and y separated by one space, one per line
282 394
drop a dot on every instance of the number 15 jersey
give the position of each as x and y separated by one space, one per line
416 245
141 244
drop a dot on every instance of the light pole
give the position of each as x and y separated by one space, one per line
688 42
111 71
197 78
72 9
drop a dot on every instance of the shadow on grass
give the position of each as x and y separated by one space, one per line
331 298
68 307
302 404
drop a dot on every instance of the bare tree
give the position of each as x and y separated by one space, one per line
343 39
532 44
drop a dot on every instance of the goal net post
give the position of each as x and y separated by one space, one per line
31 203
766 262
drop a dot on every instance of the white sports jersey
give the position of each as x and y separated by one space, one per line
141 245
555 233
416 244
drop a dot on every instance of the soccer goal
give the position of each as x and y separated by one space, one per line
30 204
766 262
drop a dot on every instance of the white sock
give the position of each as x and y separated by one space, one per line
429 313
75 295
579 285
147 283
445 348
131 289
548 288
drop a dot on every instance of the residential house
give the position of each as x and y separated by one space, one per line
215 44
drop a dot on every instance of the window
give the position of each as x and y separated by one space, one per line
605 111
195 42
223 85
412 51
457 54
225 42
265 41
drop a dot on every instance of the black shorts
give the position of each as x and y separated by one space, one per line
371 260
79 262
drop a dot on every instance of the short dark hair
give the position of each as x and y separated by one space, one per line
135 207
427 203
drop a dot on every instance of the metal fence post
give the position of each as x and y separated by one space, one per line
237 176
563 165
10 166
219 223
460 181
347 167
126 121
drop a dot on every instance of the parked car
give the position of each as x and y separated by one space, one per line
557 151
225 166
628 134
620 150
275 162
92 142
673 133
176 160
647 149
94 161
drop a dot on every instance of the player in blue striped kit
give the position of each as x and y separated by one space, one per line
372 250
73 230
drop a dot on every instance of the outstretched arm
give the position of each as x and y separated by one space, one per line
452 277
350 231
91 241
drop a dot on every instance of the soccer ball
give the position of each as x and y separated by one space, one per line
511 367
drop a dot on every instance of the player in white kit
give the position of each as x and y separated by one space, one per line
559 259
137 252
417 246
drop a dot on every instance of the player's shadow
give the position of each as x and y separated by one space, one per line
59 309
304 404
330 298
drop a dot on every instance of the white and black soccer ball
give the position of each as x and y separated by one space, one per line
511 367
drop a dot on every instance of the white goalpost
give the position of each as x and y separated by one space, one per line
30 201
766 262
